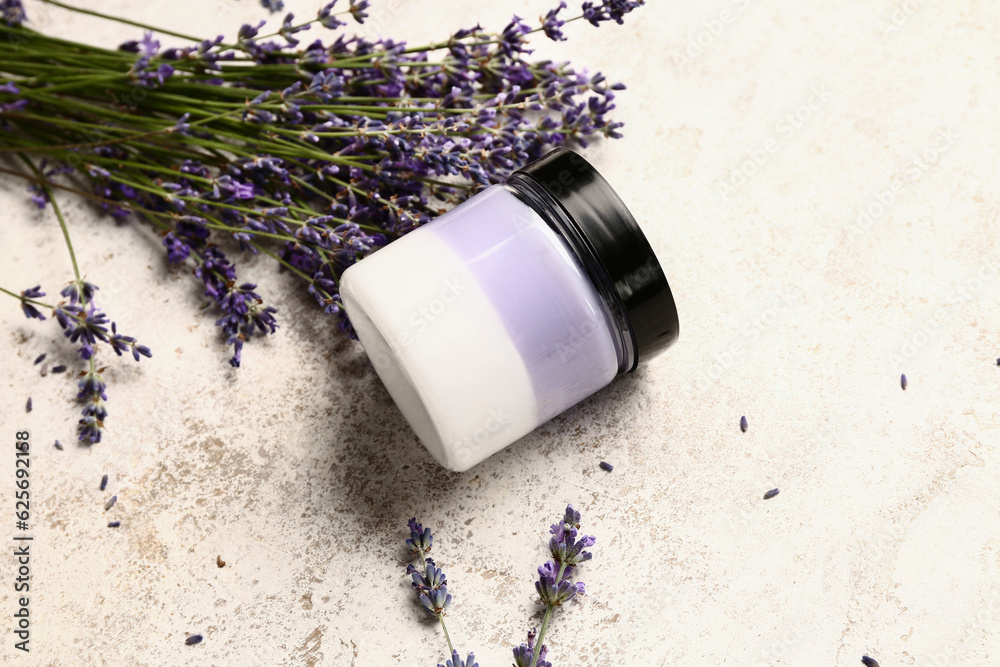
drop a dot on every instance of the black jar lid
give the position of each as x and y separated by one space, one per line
620 259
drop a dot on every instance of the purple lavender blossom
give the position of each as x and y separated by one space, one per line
431 584
326 17
456 661
554 586
92 395
554 591
29 310
566 550
272 6
609 10
525 653
420 539
12 12
552 24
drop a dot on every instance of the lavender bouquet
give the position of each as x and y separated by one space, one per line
313 153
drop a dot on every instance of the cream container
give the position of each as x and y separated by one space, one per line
510 308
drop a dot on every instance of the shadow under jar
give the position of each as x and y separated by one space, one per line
510 308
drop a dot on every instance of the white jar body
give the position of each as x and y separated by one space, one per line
482 325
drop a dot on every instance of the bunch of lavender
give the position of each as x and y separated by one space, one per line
313 153
85 324
554 585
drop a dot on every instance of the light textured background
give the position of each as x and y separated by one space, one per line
299 471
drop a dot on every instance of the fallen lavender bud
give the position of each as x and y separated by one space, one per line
219 562
902 381
59 369
104 482
744 424
111 503
606 466
40 359
771 494
114 524
869 662
27 406
59 445
45 369
193 639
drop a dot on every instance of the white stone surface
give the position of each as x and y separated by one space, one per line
301 474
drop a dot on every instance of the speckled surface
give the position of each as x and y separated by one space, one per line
797 310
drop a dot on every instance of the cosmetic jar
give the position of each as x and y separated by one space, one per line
510 308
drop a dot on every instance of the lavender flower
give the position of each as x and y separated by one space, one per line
420 539
552 25
566 550
609 10
553 585
524 655
431 585
456 661
359 10
29 310
273 6
553 591
12 12
326 17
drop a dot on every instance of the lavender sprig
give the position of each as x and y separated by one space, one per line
85 324
431 585
554 586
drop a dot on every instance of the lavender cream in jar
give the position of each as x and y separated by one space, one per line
510 308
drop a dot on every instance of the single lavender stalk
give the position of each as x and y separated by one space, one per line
84 324
432 587
554 586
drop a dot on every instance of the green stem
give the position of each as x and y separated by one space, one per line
545 623
42 183
33 302
451 648
118 19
